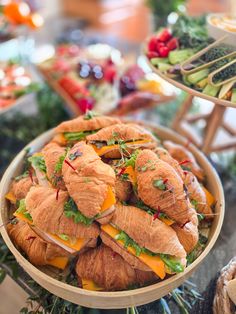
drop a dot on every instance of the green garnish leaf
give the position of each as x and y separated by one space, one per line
22 209
159 184
64 237
124 176
90 115
172 263
77 136
131 161
71 211
194 203
38 162
61 159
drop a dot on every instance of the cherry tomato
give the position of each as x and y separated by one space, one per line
152 44
164 51
173 43
165 35
152 54
159 44
85 104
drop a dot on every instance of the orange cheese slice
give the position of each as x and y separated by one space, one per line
22 217
79 243
103 150
209 197
60 139
59 262
132 176
154 262
11 197
90 285
167 221
109 201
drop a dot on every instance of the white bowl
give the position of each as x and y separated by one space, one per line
218 31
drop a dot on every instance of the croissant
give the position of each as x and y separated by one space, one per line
89 181
197 195
38 251
123 190
52 153
181 154
20 188
83 124
111 140
46 208
161 188
109 270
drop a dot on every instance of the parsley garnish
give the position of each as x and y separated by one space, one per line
38 162
124 176
71 211
131 161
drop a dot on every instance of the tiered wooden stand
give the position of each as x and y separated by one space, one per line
214 120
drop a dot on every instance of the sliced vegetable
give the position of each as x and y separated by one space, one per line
178 56
211 90
198 76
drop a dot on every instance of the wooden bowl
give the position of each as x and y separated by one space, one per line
119 299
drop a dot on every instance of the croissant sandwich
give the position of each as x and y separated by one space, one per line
39 252
103 269
79 128
145 243
118 139
48 212
89 181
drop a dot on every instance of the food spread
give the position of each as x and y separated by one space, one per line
125 208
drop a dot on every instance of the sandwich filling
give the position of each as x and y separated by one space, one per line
160 264
102 148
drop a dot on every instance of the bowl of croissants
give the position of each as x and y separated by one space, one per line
110 213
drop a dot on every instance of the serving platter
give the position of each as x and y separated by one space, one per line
119 299
190 90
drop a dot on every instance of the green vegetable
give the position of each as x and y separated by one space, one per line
22 209
211 90
61 159
191 32
90 115
170 261
159 184
132 159
156 61
225 74
202 83
38 162
77 136
163 67
71 211
233 97
178 56
64 237
198 76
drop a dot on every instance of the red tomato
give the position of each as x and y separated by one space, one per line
164 51
159 44
173 43
152 54
165 35
152 44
